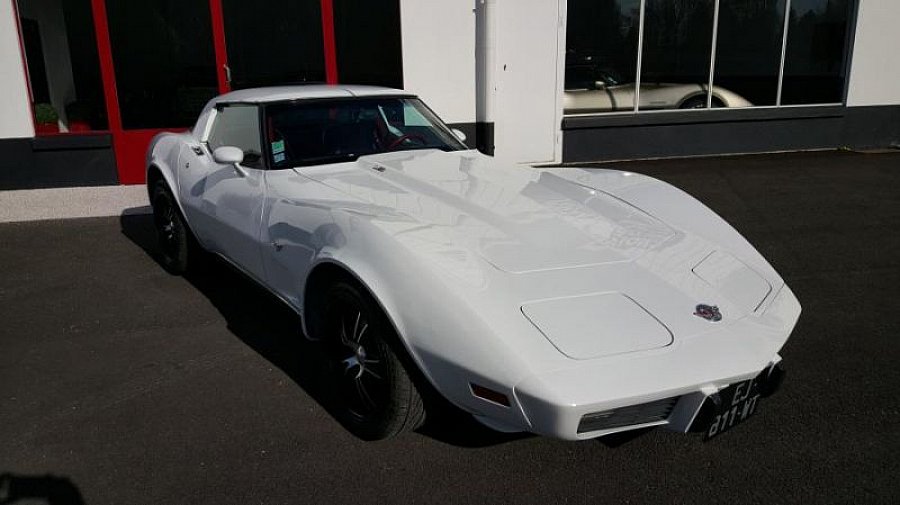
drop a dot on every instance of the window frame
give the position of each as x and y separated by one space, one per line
264 107
23 61
647 115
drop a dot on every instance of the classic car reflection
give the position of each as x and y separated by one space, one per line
589 90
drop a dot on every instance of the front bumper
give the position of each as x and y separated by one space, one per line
678 412
687 373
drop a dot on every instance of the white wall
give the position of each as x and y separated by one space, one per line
491 61
527 107
875 70
15 113
438 39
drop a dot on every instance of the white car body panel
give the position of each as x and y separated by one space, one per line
490 272
226 206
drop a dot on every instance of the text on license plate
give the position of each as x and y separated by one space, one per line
739 402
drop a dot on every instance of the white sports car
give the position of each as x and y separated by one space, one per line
560 301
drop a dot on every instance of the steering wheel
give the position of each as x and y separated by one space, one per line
408 136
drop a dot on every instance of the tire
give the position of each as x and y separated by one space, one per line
177 246
699 102
374 395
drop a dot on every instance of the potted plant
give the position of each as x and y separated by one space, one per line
78 114
46 120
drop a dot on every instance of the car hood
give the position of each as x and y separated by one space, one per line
591 269
518 219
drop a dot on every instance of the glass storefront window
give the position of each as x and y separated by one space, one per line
748 49
272 42
814 61
63 67
601 55
359 60
677 49
164 61
684 41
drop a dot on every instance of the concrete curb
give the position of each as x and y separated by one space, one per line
70 203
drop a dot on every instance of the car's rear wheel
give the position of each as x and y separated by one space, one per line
176 246
375 396
699 102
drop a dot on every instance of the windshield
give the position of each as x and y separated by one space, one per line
330 131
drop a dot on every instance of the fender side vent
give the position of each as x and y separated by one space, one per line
630 415
489 395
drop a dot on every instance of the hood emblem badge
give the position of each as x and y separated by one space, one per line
708 312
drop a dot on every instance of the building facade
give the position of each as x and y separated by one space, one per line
85 84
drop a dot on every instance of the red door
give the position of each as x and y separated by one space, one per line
162 60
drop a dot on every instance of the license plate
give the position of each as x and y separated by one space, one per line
739 402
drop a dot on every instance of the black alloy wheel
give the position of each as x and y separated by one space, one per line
374 395
172 234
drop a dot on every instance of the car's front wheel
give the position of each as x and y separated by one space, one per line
375 396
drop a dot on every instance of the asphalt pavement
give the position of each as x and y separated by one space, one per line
122 384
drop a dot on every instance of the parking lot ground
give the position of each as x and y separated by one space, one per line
122 384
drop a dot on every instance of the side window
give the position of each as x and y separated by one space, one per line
413 117
238 126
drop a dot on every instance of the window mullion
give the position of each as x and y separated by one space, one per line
784 38
712 57
640 57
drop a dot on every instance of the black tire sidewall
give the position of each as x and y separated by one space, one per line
175 261
689 104
399 411
700 99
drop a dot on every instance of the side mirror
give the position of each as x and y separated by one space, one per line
599 85
230 155
459 134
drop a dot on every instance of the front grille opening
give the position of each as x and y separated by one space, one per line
631 415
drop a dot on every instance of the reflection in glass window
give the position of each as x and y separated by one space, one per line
164 61
357 25
63 67
677 51
673 71
601 55
748 49
814 62
273 42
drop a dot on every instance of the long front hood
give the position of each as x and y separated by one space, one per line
572 253
518 219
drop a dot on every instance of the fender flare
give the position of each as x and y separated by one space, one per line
382 298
